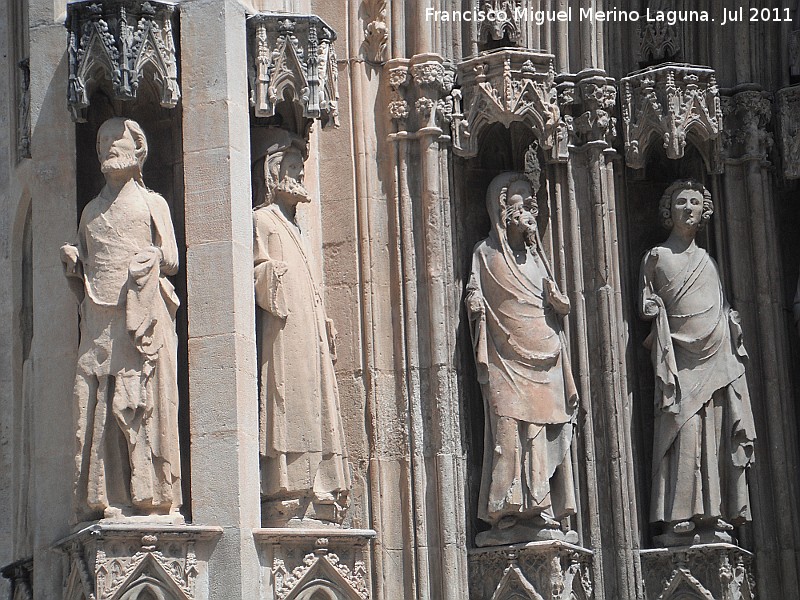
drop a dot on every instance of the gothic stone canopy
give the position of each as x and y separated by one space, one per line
121 41
293 59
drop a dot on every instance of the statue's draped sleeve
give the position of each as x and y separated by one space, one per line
659 342
268 270
164 233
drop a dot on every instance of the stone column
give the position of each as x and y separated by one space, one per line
219 266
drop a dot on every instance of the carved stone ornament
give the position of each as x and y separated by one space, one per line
597 98
297 564
672 103
710 572
20 574
421 95
658 40
116 562
536 571
121 41
293 59
505 86
510 26
788 100
24 110
745 137
376 31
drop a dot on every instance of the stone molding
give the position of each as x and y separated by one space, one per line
122 41
673 103
105 561
709 571
297 561
745 135
24 110
551 570
505 86
421 95
20 574
788 106
293 58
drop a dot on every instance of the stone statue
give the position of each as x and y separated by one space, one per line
529 394
126 389
304 468
704 431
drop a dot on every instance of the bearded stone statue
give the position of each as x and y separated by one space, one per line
305 474
530 398
704 431
126 391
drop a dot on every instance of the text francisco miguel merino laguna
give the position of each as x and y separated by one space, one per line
671 17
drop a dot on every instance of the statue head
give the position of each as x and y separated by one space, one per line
511 203
689 197
279 177
121 147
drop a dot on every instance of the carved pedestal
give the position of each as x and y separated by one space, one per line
121 561
535 571
299 564
708 571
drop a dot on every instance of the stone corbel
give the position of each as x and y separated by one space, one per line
674 104
788 101
301 563
105 562
120 41
709 571
293 59
507 86
534 571
20 574
376 31
745 136
421 95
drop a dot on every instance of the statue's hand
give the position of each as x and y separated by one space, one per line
70 258
475 304
650 308
279 268
557 300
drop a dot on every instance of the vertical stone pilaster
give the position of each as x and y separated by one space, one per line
222 369
53 351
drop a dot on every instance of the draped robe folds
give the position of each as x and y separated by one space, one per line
529 394
704 430
126 381
302 440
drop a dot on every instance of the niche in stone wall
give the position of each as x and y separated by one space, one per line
501 149
162 173
640 230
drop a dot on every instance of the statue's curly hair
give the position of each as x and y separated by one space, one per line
531 205
665 204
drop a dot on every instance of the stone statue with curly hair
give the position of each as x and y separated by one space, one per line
703 430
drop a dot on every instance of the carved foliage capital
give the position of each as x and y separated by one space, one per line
788 105
747 115
595 120
121 41
292 57
506 86
376 31
671 103
20 574
421 95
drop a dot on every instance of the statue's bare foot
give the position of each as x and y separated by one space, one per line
683 527
721 525
112 512
506 522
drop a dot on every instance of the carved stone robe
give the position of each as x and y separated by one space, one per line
126 380
302 440
528 390
704 430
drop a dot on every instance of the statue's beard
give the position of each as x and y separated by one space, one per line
292 189
122 162
530 237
